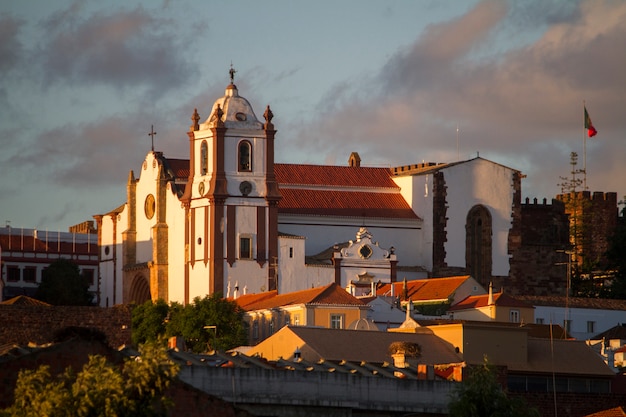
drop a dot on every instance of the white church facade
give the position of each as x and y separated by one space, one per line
230 218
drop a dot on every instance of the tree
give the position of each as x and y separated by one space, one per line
100 389
148 321
63 284
480 395
208 323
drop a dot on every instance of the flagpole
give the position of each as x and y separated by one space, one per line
584 150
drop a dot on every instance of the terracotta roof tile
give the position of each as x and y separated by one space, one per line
371 346
23 300
329 294
612 412
180 167
344 203
29 243
331 175
426 289
499 299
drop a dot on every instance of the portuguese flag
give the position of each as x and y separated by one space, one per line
591 131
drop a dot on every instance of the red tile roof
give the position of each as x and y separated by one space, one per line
180 167
49 244
344 203
23 300
331 175
425 289
612 412
330 294
478 301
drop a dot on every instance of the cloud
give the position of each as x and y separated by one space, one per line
126 48
10 46
520 106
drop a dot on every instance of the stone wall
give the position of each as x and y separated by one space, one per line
538 264
22 324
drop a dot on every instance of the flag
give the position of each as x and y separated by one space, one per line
591 131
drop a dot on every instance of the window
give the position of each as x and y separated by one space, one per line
291 252
286 319
539 321
271 326
13 273
514 316
204 158
88 274
296 319
567 324
245 156
255 330
336 321
245 247
591 327
30 274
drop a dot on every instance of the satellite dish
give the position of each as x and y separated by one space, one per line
262 288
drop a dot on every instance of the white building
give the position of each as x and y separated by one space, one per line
26 253
230 216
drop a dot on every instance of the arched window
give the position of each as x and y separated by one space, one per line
478 244
245 156
204 158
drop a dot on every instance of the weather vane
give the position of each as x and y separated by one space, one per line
232 73
151 134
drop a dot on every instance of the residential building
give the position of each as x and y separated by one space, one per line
532 363
583 318
430 297
329 306
492 307
26 253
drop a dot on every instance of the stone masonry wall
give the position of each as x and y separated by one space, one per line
538 264
21 324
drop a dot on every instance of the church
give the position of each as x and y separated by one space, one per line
231 220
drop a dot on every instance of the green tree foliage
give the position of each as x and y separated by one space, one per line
480 395
148 321
100 389
207 323
63 284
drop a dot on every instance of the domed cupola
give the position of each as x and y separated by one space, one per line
236 111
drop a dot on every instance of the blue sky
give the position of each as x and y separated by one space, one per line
81 83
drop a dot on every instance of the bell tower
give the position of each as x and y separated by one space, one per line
231 199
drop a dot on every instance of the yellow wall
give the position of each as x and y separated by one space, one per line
500 344
318 316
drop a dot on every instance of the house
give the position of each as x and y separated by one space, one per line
315 343
26 253
531 363
492 307
329 306
431 297
583 318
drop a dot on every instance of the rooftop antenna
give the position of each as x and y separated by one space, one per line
151 134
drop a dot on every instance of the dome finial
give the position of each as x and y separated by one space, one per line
232 73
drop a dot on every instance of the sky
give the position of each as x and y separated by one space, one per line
400 82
